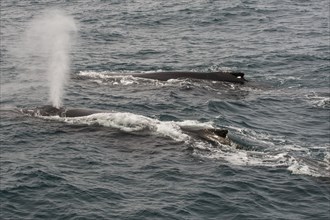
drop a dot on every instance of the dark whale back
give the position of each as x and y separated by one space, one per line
48 110
79 112
234 77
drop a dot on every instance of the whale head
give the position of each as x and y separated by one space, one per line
49 110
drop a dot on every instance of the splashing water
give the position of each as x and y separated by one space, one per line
48 41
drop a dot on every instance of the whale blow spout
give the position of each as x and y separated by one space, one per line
47 43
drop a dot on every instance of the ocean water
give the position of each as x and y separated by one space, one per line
137 163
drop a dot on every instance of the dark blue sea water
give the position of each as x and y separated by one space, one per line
137 163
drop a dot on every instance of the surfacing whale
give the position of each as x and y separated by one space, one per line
212 135
233 77
49 110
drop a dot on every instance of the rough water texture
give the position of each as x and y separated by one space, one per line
137 163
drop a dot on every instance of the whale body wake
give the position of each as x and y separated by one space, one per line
129 122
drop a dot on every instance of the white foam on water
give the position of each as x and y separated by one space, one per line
242 157
195 124
308 167
317 100
111 78
97 75
296 165
295 158
128 122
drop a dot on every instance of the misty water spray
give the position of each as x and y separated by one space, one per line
48 41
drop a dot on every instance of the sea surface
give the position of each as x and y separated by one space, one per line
137 163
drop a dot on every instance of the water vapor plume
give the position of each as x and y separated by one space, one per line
47 42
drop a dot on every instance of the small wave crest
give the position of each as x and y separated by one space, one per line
312 167
319 100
